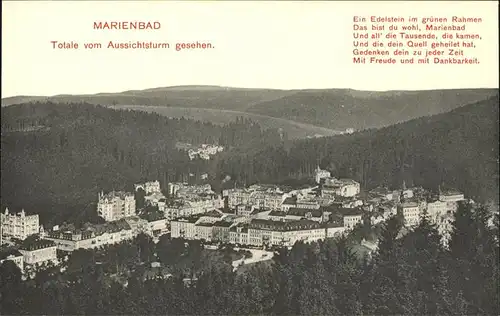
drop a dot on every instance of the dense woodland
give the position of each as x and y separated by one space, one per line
57 157
411 274
337 109
340 109
456 149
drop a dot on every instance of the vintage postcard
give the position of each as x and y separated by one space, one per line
249 158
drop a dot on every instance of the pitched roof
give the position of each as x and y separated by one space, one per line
37 244
290 201
265 224
348 211
212 213
303 211
277 213
222 224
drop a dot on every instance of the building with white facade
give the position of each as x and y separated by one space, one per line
277 216
321 174
183 189
347 202
155 199
278 233
236 197
315 215
94 236
18 225
351 217
303 191
184 228
153 227
220 231
437 208
259 232
39 252
183 208
204 151
451 196
197 226
149 187
238 234
244 210
115 205
266 200
173 187
411 213
257 196
308 204
340 187
203 231
334 230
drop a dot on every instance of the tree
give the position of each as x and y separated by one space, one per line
11 288
169 250
139 195
474 259
384 297
424 268
145 248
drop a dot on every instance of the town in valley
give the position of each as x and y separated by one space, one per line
259 218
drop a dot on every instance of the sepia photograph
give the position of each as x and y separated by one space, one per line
249 158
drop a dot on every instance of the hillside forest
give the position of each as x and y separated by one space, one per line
57 157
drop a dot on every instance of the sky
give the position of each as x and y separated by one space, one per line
281 45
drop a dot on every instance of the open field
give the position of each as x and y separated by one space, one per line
293 129
332 109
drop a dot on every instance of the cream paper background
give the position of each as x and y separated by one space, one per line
283 45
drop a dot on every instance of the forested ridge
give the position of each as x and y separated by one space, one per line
57 157
344 108
409 275
336 109
457 149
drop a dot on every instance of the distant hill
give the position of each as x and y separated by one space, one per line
341 109
211 97
293 129
336 109
457 149
21 99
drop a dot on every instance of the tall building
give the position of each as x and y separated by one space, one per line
94 236
340 187
116 205
149 187
321 174
39 251
451 196
18 225
411 213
